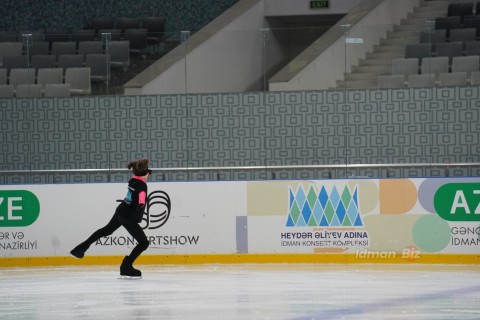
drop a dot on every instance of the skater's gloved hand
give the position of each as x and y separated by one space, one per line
139 212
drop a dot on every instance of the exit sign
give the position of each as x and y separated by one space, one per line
319 4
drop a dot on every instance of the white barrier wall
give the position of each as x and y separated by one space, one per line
413 219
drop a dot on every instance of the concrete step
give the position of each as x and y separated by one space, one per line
428 11
414 21
404 34
388 48
433 3
375 62
361 76
398 41
373 69
431 6
362 84
408 28
385 55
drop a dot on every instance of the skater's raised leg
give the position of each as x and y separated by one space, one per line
79 251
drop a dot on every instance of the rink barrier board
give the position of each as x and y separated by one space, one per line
421 220
242 258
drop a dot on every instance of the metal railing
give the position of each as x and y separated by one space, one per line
446 167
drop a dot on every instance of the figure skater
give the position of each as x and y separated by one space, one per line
128 214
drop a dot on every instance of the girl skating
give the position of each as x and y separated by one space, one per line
128 214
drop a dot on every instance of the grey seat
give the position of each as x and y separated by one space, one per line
419 50
155 29
49 75
462 35
405 66
119 54
391 81
3 76
6 91
472 48
41 47
57 90
433 38
138 40
61 35
475 78
447 23
471 21
79 80
29 91
22 76
449 49
59 48
99 65
15 62
88 47
466 64
80 35
43 61
10 49
8 36
435 65
452 79
421 80
460 9
70 61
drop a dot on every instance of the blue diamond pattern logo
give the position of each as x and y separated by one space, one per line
323 208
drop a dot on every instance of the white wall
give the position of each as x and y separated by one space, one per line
323 72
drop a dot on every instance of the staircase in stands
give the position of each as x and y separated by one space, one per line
379 61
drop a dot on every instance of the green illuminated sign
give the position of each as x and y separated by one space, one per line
18 208
458 201
319 4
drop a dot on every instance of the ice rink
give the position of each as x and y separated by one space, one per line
265 291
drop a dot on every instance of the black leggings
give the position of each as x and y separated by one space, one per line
122 217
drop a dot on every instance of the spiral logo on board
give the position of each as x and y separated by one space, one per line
158 210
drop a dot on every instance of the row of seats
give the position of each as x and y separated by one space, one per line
449 24
78 79
429 80
456 35
97 63
119 27
407 66
152 24
120 50
35 90
463 9
442 49
64 55
137 43
448 53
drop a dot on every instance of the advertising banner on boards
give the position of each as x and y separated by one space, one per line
360 216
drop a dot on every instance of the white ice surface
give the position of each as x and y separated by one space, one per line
264 291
